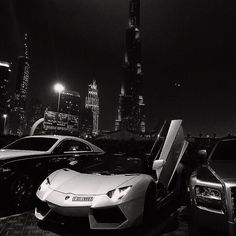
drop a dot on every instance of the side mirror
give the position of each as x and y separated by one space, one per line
158 164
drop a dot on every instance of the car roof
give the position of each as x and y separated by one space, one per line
59 137
228 138
64 137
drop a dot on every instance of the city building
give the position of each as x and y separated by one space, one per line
70 103
5 70
18 116
131 107
66 117
36 111
92 102
86 123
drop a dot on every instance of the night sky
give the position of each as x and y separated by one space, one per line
188 48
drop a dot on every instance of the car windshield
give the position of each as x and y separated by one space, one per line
225 151
110 164
32 144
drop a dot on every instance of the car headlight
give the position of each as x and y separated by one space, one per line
208 197
118 193
207 192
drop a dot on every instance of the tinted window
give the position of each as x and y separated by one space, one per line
32 144
225 150
73 146
110 164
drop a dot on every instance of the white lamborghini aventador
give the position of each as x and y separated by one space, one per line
117 192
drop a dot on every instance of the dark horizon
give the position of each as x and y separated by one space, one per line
188 56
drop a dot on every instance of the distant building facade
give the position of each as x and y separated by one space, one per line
86 123
66 117
36 111
70 103
92 102
131 107
18 116
5 70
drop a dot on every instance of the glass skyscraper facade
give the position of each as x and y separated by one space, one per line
18 121
92 102
131 107
5 70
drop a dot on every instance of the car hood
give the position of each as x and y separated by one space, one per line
7 153
224 169
69 181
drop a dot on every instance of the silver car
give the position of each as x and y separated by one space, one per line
213 191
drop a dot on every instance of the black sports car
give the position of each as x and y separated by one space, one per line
27 161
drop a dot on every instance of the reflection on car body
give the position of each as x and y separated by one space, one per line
27 161
117 192
213 191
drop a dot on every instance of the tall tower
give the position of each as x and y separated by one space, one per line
92 102
131 105
5 70
22 83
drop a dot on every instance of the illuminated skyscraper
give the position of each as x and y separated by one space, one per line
36 111
5 69
70 103
92 102
131 106
22 83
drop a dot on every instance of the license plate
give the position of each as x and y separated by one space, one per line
82 199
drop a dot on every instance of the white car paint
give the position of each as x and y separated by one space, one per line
92 183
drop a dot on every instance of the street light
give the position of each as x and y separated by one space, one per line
4 124
58 88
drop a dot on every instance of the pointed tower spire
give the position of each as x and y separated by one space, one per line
131 106
26 53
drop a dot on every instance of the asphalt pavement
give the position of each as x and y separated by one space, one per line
25 224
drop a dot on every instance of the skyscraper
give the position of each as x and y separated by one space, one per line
92 102
5 69
20 97
131 105
70 103
36 111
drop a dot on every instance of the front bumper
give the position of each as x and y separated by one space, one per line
208 216
209 220
102 212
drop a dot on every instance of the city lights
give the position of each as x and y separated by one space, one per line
4 124
59 88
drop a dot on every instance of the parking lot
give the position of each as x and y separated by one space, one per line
173 224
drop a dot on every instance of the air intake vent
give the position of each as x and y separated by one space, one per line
233 199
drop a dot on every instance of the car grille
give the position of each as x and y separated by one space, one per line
55 217
42 207
233 199
109 215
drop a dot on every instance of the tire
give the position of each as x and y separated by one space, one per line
149 205
22 191
193 227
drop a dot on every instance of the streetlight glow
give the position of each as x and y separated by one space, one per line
4 124
58 88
